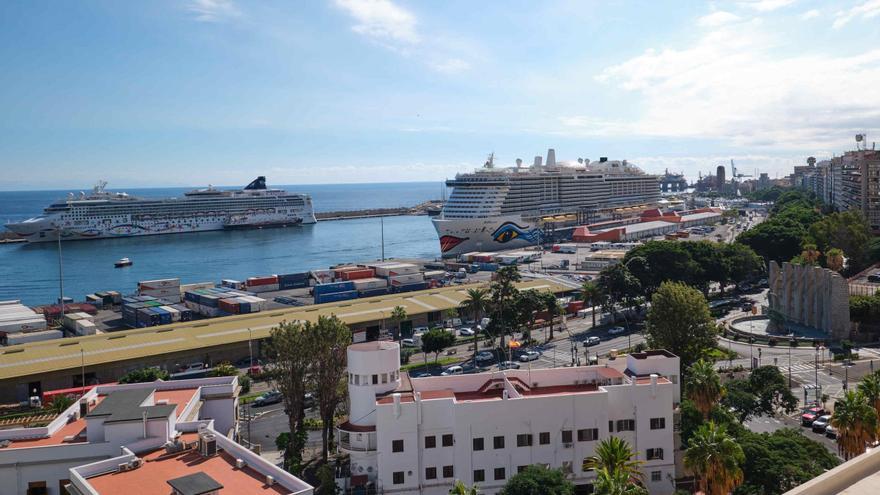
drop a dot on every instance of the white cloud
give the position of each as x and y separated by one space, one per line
213 10
810 14
866 10
729 85
766 5
381 19
450 66
717 19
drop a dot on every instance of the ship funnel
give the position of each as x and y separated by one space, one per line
538 161
258 183
551 157
518 162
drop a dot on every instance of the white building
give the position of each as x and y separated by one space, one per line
133 439
417 436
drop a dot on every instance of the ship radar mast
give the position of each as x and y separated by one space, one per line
99 187
490 162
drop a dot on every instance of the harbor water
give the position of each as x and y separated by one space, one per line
30 271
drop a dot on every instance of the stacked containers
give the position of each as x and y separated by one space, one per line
396 269
293 281
16 317
374 292
167 289
147 311
263 284
95 301
221 301
354 273
370 283
406 279
334 291
411 287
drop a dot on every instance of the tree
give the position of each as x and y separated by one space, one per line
460 488
740 400
144 375
870 388
398 316
224 369
330 338
834 259
741 263
703 386
715 459
771 390
476 302
292 351
61 402
679 321
528 303
776 240
538 480
503 293
778 462
615 456
552 307
848 231
810 255
620 286
436 340
326 481
664 261
856 423
616 483
591 294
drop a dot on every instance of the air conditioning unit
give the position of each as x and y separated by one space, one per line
135 463
270 480
240 464
566 445
162 402
123 467
207 445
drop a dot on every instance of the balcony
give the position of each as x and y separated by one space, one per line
355 438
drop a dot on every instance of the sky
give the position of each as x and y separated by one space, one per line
192 92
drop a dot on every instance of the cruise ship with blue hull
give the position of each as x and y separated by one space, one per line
103 214
496 208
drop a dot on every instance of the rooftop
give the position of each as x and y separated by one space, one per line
159 468
60 354
128 405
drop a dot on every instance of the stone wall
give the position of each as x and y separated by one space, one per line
811 296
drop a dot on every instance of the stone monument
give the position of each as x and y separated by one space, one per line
811 296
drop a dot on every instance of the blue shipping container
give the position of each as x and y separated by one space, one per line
292 284
381 291
333 287
411 287
489 267
335 296
293 276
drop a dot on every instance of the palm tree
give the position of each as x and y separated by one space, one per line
503 292
552 306
616 483
398 314
810 254
856 424
834 259
476 302
870 388
715 459
615 456
592 295
460 488
703 386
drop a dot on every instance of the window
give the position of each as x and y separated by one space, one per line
448 472
431 473
478 443
524 440
500 474
357 379
397 446
447 440
656 476
610 426
479 475
520 469
375 379
544 438
430 442
397 477
626 425
566 436
588 435
653 454
498 442
658 423
384 377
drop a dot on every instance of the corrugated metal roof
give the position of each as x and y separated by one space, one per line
47 356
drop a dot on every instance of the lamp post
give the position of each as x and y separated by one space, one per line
60 274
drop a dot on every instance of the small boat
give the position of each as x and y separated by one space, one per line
123 263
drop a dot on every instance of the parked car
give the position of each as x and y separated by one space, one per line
508 365
453 370
485 357
193 367
616 330
811 414
466 332
420 374
408 343
821 423
830 431
529 356
273 397
592 341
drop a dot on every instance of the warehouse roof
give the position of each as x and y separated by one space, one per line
47 356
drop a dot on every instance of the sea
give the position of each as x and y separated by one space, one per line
30 272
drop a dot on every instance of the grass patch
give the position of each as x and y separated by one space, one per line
248 398
721 354
444 361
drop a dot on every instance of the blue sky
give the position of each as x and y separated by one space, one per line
190 92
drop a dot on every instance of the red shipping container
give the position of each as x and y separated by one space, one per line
229 306
358 274
575 306
255 281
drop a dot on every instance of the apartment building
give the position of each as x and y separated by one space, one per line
850 182
142 438
418 435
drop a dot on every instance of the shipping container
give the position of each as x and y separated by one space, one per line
294 276
411 287
94 299
196 286
291 283
229 305
232 284
332 287
175 314
25 337
374 292
407 279
85 327
116 297
488 267
398 269
167 283
267 280
370 283
574 307
358 274
435 275
264 288
335 296
35 323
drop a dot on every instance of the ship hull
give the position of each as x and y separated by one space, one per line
463 235
47 229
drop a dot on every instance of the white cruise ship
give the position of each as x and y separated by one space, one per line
104 214
503 208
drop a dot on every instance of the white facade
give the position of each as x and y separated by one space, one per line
482 428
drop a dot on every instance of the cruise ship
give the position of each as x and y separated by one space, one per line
102 214
497 208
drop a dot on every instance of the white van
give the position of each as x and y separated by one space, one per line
453 370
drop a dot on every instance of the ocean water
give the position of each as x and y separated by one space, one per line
30 271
